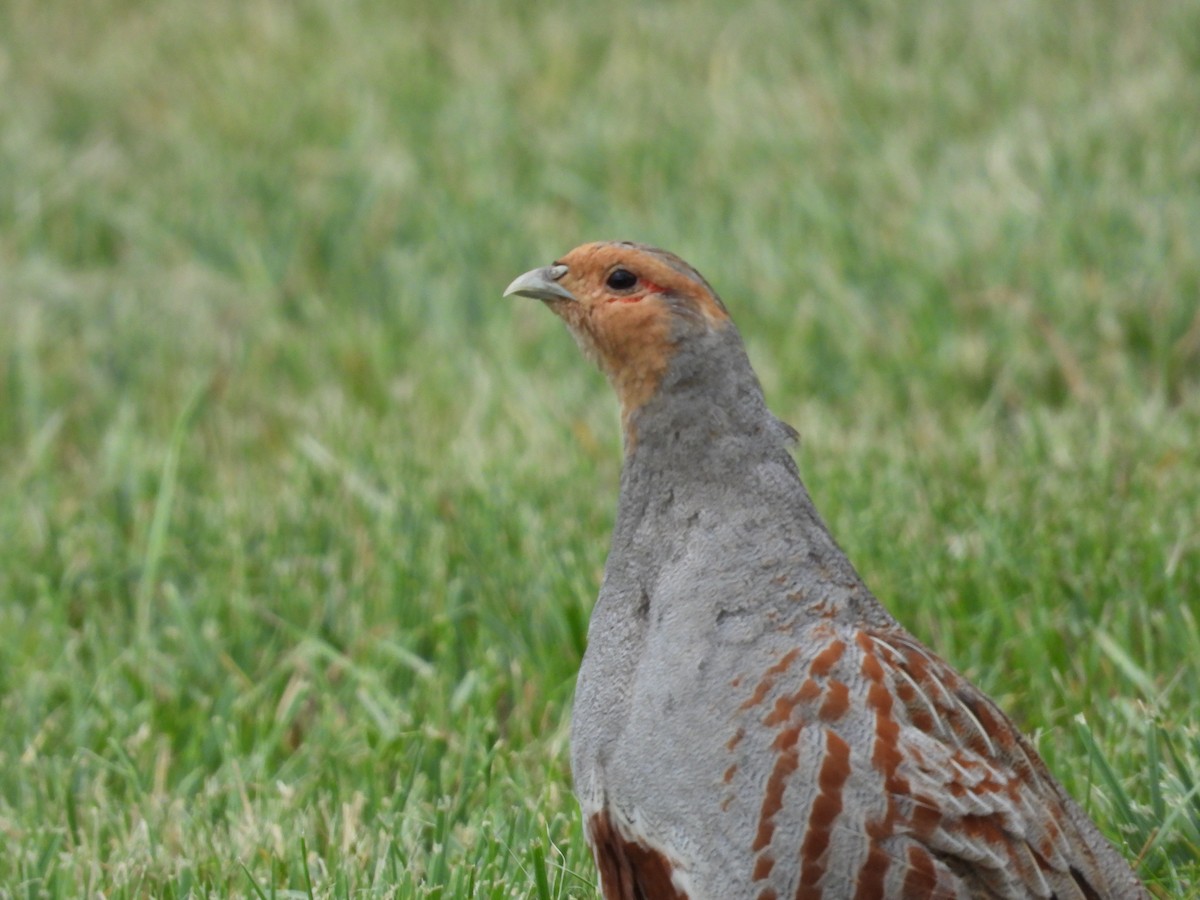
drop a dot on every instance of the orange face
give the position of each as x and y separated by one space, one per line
629 306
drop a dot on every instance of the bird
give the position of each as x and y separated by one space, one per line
750 722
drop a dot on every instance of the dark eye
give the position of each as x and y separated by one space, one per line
621 280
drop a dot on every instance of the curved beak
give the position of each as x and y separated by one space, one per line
541 284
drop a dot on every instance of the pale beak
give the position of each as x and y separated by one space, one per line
541 284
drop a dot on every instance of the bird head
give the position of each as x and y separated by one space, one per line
631 308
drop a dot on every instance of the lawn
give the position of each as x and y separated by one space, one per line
300 522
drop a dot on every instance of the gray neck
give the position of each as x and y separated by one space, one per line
708 474
706 430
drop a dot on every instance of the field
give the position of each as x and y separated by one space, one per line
300 522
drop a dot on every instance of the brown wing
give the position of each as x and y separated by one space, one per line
982 797
895 777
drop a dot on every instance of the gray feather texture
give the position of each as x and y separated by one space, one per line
749 721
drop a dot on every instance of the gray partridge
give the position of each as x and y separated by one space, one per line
749 721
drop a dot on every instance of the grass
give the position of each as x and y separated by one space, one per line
301 522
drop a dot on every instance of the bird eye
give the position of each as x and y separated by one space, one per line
621 280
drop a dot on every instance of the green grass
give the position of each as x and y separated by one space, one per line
300 522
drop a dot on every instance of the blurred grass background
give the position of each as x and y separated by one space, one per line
300 522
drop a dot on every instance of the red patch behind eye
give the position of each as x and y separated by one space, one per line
649 287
